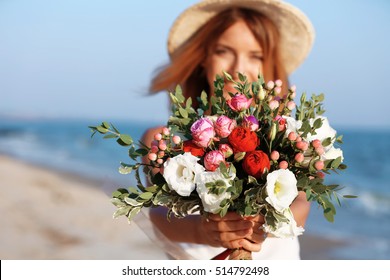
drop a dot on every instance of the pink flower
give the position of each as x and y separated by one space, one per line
224 126
226 150
202 132
282 123
250 122
213 159
239 102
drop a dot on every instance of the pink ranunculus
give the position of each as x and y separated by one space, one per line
250 122
213 159
239 102
224 126
226 150
202 132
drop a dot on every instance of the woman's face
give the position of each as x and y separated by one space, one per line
236 50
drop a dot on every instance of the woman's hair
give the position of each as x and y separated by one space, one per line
186 67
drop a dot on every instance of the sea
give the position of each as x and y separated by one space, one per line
361 226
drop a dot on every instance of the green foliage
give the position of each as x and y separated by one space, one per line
247 193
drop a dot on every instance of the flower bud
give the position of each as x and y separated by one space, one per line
152 156
270 85
299 157
292 136
319 165
165 131
162 145
158 137
261 94
273 104
302 145
278 83
176 139
275 155
160 161
226 150
273 132
283 164
291 105
316 143
320 150
278 90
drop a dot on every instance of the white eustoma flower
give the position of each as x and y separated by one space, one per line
292 125
180 173
323 132
281 188
332 153
211 202
286 229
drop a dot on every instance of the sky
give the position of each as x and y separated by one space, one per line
94 59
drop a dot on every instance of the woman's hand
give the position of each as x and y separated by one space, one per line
233 231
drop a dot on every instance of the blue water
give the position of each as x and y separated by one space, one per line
364 223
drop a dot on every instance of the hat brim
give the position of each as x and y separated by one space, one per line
295 29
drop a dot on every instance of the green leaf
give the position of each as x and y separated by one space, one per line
183 113
109 136
106 125
102 129
123 211
350 196
146 195
125 140
132 202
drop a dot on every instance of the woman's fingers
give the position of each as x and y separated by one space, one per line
234 231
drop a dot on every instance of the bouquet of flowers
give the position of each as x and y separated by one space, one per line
248 154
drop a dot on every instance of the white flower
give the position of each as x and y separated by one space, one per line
180 173
281 188
332 153
285 229
323 132
292 125
211 202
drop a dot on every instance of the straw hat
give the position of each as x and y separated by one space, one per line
296 31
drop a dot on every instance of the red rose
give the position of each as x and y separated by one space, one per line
195 150
256 163
242 139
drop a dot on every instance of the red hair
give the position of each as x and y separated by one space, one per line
186 68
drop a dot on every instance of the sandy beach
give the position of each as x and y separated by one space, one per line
46 214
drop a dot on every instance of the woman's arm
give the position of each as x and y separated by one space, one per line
300 208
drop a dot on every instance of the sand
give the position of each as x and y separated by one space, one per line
47 214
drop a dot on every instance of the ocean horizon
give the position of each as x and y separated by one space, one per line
363 223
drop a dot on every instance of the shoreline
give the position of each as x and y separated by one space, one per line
51 214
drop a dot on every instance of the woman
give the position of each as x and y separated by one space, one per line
251 37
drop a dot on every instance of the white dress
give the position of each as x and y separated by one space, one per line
272 249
